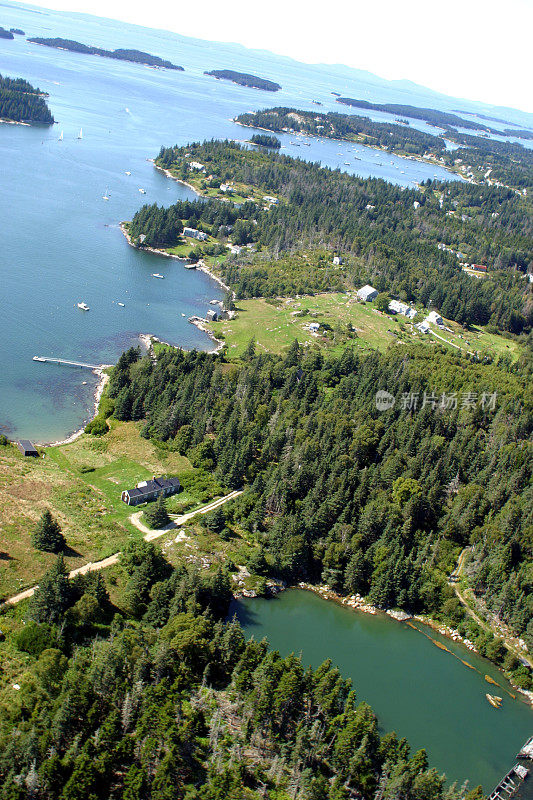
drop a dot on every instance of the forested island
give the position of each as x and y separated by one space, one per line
4 34
485 160
430 115
390 243
264 140
244 79
21 102
395 138
136 56
18 31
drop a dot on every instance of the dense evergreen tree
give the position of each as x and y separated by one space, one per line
47 534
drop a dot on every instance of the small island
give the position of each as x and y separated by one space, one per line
135 56
5 34
18 31
243 79
264 140
21 102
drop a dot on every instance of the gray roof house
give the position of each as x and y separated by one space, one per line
150 490
27 448
367 293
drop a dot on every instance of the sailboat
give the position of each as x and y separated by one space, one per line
80 134
60 137
106 195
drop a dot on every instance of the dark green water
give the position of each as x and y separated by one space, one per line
416 689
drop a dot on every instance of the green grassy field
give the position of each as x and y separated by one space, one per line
275 326
81 484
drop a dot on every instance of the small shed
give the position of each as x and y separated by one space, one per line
27 448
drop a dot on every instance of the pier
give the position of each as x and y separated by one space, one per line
66 363
509 784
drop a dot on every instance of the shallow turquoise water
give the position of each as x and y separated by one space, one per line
415 688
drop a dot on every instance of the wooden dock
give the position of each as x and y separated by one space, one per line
509 784
65 362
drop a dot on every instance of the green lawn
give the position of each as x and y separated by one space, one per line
81 484
275 326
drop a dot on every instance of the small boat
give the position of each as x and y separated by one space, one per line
182 314
83 306
84 383
39 358
494 701
142 191
346 163
106 195
157 275
60 137
80 134
127 173
121 305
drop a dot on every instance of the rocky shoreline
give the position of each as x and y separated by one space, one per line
103 378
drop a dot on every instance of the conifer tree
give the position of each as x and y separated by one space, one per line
47 535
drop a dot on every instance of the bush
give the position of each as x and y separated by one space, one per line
34 638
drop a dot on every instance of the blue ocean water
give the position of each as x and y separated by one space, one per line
61 242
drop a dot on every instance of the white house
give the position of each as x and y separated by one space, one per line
268 199
367 293
196 165
402 308
423 327
314 326
337 261
435 318
192 233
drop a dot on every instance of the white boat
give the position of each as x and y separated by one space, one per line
83 306
120 304
142 191
106 195
157 275
60 137
80 134
39 358
128 173
346 163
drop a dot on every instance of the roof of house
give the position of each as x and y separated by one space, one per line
27 446
367 290
155 485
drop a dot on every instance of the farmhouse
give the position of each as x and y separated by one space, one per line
150 490
27 448
192 233
435 318
367 293
397 307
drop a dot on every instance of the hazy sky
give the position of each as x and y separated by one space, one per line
477 49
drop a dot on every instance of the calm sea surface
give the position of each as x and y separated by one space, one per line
61 242
415 688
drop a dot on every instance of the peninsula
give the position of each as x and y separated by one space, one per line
135 56
5 34
21 102
244 79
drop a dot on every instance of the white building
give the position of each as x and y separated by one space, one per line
402 308
314 326
423 327
196 165
367 293
435 318
192 233
337 261
268 199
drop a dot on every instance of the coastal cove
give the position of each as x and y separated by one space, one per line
416 688
63 243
